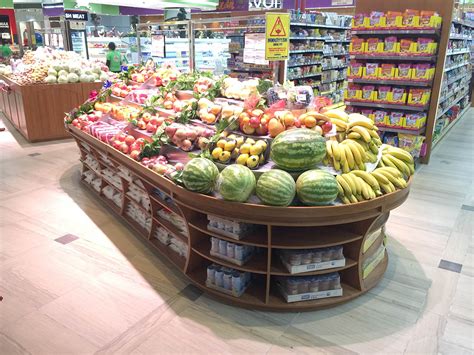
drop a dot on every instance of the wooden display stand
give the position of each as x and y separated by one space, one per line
279 228
37 111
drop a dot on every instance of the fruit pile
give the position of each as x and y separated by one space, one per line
149 122
160 165
120 89
247 152
186 137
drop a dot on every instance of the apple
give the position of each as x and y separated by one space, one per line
135 154
129 140
124 148
261 130
154 121
141 141
121 137
135 146
327 127
75 122
116 144
141 125
255 122
179 166
248 129
159 169
150 128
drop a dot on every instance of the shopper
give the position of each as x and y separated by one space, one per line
114 59
5 51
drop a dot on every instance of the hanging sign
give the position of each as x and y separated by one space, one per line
158 46
277 36
75 15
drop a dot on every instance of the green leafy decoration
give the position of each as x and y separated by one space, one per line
188 113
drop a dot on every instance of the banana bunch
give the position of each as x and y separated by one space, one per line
362 130
389 179
357 186
346 156
399 159
338 118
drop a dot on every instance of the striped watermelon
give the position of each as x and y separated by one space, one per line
236 183
298 149
276 188
200 175
316 187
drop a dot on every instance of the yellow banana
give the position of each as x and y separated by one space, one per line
362 123
345 186
349 156
373 147
412 168
371 156
401 165
401 154
365 188
359 198
380 178
386 188
345 200
339 187
393 179
353 199
329 149
361 166
351 183
359 148
336 164
339 114
387 161
355 153
317 115
374 134
336 150
363 133
368 178
339 123
354 135
394 171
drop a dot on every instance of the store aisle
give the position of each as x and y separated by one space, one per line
75 280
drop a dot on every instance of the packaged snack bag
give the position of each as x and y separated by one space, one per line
380 117
393 19
355 69
404 71
411 143
424 45
360 20
421 71
368 92
398 95
390 44
382 93
391 139
376 19
357 45
419 97
428 19
371 70
407 46
411 18
353 92
368 113
396 119
373 45
387 71
415 120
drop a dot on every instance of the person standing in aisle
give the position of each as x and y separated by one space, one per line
114 59
5 52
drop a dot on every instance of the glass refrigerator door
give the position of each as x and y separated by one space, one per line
78 40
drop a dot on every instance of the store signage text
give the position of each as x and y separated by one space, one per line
265 4
4 25
277 35
77 16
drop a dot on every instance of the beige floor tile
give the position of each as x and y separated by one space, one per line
459 332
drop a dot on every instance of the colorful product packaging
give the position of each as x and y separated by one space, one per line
355 70
374 45
376 19
419 97
368 93
358 45
371 70
360 21
353 92
404 71
411 18
391 44
393 19
391 139
383 94
407 46
380 117
396 119
426 46
422 71
411 143
429 19
415 120
398 95
387 71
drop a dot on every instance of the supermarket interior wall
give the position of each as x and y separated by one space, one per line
121 23
445 10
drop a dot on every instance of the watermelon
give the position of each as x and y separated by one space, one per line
200 175
236 183
276 188
316 187
298 149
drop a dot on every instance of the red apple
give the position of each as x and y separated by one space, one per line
141 125
135 154
141 141
124 148
261 130
248 129
327 127
255 122
150 128
129 140
121 137
154 121
135 146
75 122
116 144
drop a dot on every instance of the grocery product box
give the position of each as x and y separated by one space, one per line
311 295
305 288
314 266
373 261
232 229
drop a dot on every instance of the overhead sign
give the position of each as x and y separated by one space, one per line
265 4
277 36
75 15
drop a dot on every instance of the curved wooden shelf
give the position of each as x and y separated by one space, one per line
294 227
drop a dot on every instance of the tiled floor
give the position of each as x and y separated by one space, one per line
105 292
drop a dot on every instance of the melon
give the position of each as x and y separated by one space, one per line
276 188
316 187
200 175
298 149
236 183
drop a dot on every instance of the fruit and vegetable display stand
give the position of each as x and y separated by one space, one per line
37 111
357 228
260 204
